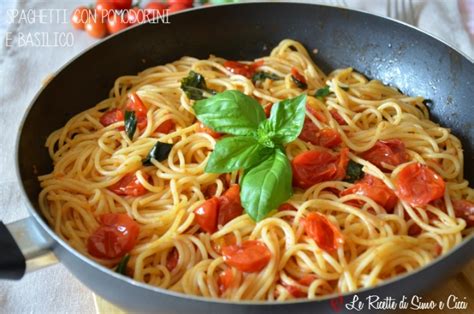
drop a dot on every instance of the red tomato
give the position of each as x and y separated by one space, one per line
268 109
153 9
309 133
315 166
226 240
172 259
297 76
251 256
340 120
391 152
116 23
375 189
247 70
188 3
113 4
206 215
418 185
129 186
95 27
111 117
136 16
315 113
204 129
177 7
286 206
79 17
224 281
116 236
166 127
329 138
304 281
414 230
324 233
229 205
326 137
464 209
104 9
136 104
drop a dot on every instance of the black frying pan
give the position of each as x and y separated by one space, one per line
380 48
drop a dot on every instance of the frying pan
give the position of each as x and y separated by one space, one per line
380 48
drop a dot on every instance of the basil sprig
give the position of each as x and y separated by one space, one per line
130 123
256 147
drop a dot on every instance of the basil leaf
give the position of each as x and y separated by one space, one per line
286 119
345 88
130 123
261 76
194 86
159 152
322 92
299 83
230 112
266 186
122 265
353 172
233 153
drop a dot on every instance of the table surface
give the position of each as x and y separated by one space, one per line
22 69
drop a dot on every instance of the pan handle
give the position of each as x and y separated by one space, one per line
24 248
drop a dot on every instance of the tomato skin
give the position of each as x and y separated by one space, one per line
286 206
391 152
309 133
329 138
114 4
129 186
339 119
136 104
116 236
206 215
464 209
247 70
95 27
418 185
251 256
315 113
225 279
375 189
304 281
326 137
79 16
166 127
226 240
313 167
152 9
116 23
229 205
111 117
172 259
188 3
204 129
177 7
323 232
297 76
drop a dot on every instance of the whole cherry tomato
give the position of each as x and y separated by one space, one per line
79 17
153 9
95 27
116 23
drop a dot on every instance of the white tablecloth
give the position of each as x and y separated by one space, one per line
55 290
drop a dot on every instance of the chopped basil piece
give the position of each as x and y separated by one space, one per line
354 172
322 92
194 86
130 123
299 83
159 152
261 76
122 265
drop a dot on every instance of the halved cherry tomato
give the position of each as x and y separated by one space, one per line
391 152
309 133
229 205
329 138
339 119
204 129
111 117
166 127
247 70
206 215
129 186
326 137
318 115
95 27
418 185
251 256
116 23
375 189
297 76
177 7
315 166
464 209
224 281
323 232
226 240
136 104
153 9
304 281
286 206
79 17
116 236
172 259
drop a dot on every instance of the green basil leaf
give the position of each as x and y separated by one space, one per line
353 172
230 112
122 265
286 120
194 86
159 152
262 76
299 83
322 92
237 152
345 88
266 186
130 123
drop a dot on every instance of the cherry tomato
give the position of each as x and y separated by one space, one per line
251 256
315 166
166 127
418 185
315 113
464 209
247 70
323 232
229 205
116 236
177 7
268 109
326 137
391 152
153 9
116 23
95 27
226 240
295 291
111 117
309 133
375 189
206 215
286 206
129 186
113 4
104 9
136 16
188 3
339 119
172 259
136 104
224 281
79 17
298 78
204 129
329 138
